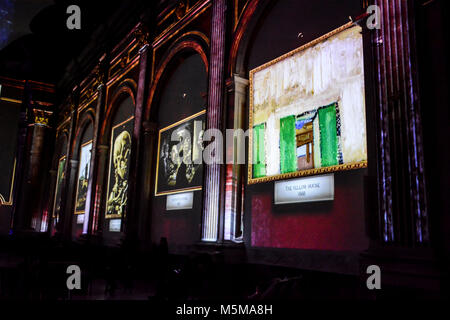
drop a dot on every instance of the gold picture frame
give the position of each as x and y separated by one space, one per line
186 189
77 212
111 153
305 172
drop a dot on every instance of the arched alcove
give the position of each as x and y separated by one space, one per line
179 99
118 135
82 152
58 167
332 226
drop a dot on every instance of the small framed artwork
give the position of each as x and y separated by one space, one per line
83 177
119 167
180 156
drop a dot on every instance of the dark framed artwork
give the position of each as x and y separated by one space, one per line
119 167
83 177
180 156
59 183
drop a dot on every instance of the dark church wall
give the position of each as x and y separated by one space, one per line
5 219
182 94
432 38
9 122
333 226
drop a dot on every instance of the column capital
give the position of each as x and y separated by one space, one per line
240 84
41 117
240 80
100 87
142 35
144 48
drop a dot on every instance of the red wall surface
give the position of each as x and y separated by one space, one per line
337 226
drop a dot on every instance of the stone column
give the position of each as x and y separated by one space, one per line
400 244
72 170
149 146
403 213
32 165
66 194
98 206
131 226
92 183
20 188
213 183
30 197
40 160
237 94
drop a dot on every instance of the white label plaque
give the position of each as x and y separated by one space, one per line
308 189
114 225
80 218
180 201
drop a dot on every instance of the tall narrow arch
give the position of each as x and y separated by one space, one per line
83 153
177 98
126 89
241 38
259 27
117 133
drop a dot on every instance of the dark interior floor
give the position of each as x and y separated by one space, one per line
35 269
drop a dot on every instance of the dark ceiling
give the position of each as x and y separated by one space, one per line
16 16
40 46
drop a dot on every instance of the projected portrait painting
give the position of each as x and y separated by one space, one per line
59 183
83 177
307 109
180 154
117 195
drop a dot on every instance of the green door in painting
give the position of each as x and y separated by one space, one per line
328 136
288 147
259 161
